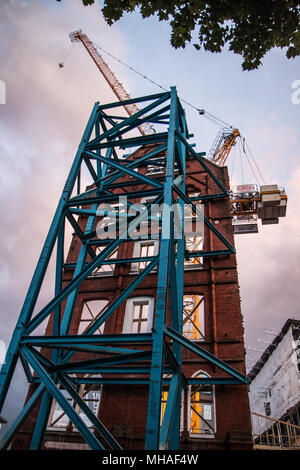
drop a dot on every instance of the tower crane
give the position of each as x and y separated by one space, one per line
117 87
248 202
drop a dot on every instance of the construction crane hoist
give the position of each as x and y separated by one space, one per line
249 202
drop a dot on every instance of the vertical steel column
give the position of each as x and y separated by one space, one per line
174 440
155 388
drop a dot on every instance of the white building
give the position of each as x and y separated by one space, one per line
275 378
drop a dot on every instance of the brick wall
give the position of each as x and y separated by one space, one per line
123 408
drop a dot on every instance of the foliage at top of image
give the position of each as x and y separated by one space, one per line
249 28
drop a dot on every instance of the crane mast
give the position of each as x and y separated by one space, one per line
117 87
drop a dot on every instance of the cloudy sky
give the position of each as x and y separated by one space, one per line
46 110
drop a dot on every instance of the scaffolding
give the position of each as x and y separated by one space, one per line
49 362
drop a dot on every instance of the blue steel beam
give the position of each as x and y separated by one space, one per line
121 362
205 355
87 348
87 200
174 438
41 422
169 412
118 129
88 436
132 142
107 361
74 284
89 414
140 99
127 171
21 418
130 120
146 380
87 339
135 123
205 219
155 388
136 163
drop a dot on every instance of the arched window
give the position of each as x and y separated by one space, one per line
201 409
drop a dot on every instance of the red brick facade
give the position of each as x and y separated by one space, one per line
123 409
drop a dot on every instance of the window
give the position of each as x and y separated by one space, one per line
157 166
164 398
193 317
193 244
91 395
143 249
138 315
105 269
201 418
147 199
267 406
91 311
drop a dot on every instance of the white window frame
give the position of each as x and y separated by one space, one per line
136 253
128 318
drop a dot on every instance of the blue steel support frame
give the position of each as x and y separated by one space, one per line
100 149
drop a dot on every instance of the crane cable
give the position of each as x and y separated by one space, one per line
255 162
211 117
255 176
241 162
203 112
242 150
67 54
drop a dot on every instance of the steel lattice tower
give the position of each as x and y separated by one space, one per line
55 365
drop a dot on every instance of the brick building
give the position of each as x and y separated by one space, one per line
212 416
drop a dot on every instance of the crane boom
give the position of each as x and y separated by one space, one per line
118 89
